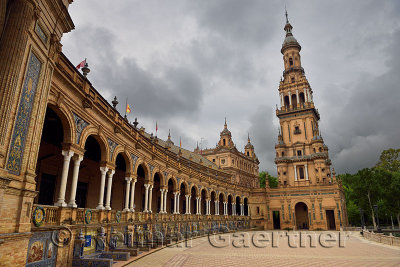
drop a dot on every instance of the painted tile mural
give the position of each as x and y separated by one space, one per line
23 116
41 250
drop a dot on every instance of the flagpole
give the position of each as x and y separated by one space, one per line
126 106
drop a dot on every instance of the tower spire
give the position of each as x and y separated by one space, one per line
225 125
287 19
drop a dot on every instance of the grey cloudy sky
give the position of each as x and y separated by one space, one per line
189 64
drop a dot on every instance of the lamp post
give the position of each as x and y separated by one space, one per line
377 218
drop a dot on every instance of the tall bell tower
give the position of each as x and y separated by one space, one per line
301 156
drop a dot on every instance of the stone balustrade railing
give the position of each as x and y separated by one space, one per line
382 238
52 216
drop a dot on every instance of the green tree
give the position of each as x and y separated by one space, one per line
272 180
390 160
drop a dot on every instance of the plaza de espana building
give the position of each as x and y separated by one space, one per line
80 185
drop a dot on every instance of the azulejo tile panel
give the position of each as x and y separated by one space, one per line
23 117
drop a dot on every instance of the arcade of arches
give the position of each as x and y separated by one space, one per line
69 159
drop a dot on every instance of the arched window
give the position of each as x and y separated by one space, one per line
290 61
223 140
286 101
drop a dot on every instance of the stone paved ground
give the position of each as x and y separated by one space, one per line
356 252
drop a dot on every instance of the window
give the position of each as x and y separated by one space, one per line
258 210
233 162
222 161
290 61
314 150
283 153
298 152
301 172
284 173
292 80
320 149
248 154
284 182
213 160
224 142
297 130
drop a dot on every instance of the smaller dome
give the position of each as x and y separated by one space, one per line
249 146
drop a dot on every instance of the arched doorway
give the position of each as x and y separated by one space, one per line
156 194
50 159
229 205
170 196
246 207
193 200
182 199
238 207
119 183
301 211
203 201
139 188
221 204
212 204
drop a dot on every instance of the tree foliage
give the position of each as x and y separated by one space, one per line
379 185
272 180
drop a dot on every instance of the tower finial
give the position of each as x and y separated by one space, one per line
248 137
287 19
225 125
169 133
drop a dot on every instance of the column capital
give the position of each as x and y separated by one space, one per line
128 179
146 186
77 158
67 153
111 172
103 169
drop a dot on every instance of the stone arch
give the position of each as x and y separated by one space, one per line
100 138
128 160
246 206
186 186
158 171
196 188
175 183
223 196
66 117
141 162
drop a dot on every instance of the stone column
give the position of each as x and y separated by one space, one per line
146 197
150 198
162 200
64 177
306 170
165 200
198 206
297 97
295 172
178 200
305 95
216 207
175 204
290 98
74 184
242 209
225 208
109 185
132 195
190 204
128 187
233 209
187 204
103 171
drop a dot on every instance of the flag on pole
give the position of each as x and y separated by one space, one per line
156 127
128 109
180 142
81 65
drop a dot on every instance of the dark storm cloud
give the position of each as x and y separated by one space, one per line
188 64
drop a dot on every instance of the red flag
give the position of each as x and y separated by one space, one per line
128 109
82 64
156 127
